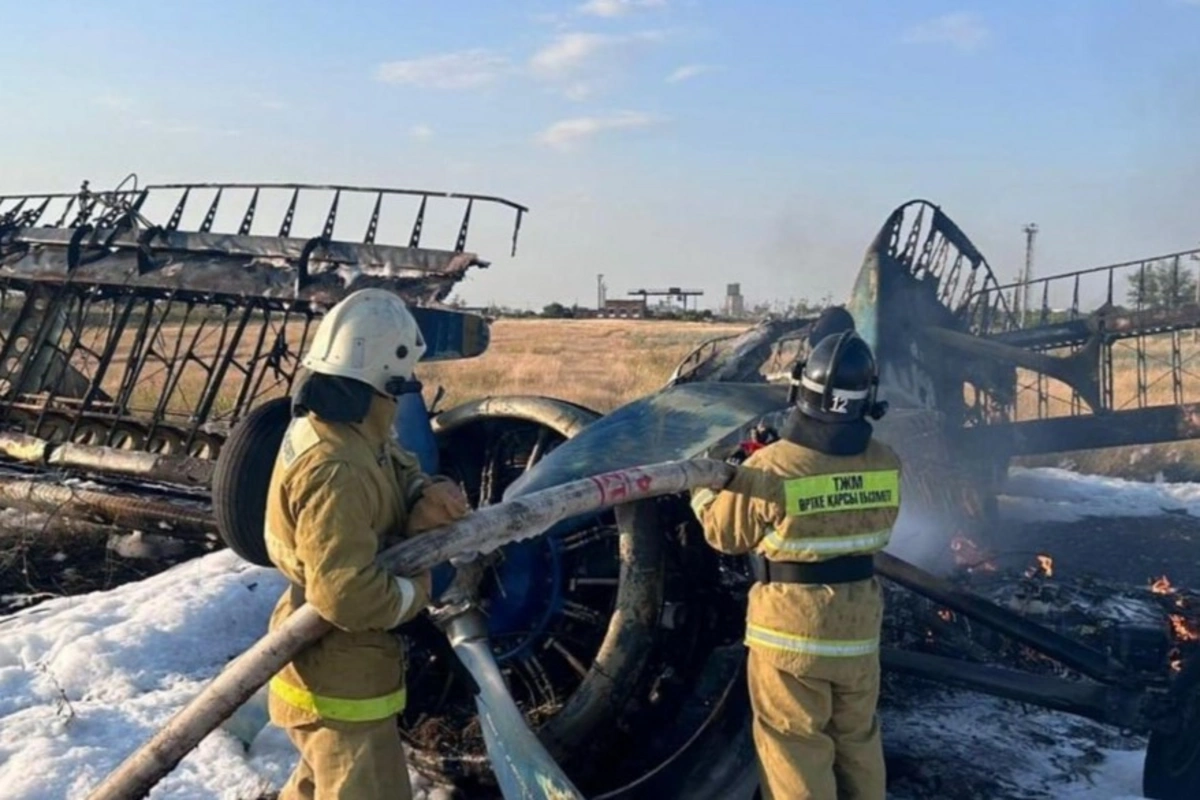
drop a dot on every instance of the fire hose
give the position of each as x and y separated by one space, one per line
479 533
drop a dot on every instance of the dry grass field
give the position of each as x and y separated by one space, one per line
598 363
1157 378
602 364
1157 387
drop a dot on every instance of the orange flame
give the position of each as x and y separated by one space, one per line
1162 586
1044 566
1183 631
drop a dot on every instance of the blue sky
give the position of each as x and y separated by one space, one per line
665 142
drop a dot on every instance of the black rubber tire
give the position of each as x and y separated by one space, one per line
242 476
1172 767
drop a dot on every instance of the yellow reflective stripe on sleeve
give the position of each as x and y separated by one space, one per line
846 491
829 545
337 708
804 645
702 499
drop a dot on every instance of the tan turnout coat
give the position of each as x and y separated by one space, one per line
340 493
792 503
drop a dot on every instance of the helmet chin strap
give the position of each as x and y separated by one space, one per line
876 408
397 386
794 387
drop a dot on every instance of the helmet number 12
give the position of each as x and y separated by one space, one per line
838 404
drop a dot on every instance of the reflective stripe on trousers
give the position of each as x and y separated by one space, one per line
805 645
367 709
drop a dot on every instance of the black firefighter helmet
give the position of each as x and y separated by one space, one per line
838 381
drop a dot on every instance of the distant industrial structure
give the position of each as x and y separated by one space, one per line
615 309
622 309
735 304
641 308
1030 232
673 293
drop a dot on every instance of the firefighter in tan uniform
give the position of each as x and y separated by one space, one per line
811 510
342 490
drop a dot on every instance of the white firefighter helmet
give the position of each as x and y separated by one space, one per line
369 336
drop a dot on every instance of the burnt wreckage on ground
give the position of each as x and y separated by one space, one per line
153 358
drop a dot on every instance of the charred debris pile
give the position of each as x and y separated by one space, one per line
1152 628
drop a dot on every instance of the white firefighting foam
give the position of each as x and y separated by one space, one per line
85 680
1058 495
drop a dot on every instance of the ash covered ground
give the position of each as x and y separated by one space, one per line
97 650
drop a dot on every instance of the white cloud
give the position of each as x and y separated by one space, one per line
572 52
579 63
568 53
584 63
617 8
689 71
464 69
565 134
960 30
420 131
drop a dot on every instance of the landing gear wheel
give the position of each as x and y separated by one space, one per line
547 600
242 477
1172 767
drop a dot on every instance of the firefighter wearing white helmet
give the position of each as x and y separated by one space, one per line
342 489
371 337
811 510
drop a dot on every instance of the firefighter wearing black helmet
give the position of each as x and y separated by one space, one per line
810 511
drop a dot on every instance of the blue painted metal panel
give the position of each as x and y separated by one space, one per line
451 334
413 431
679 422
